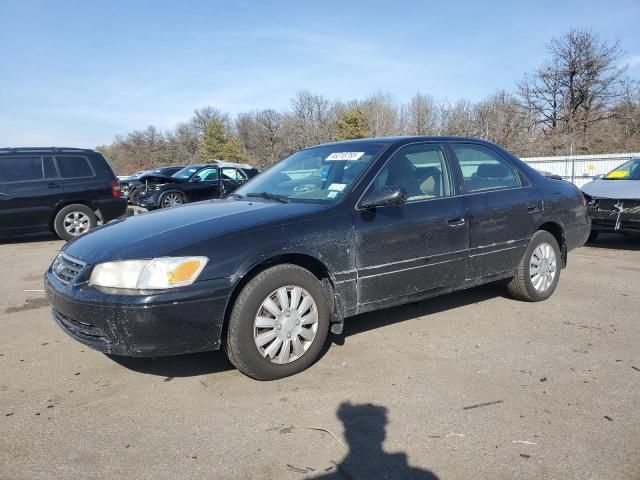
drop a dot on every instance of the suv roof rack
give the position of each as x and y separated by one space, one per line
42 149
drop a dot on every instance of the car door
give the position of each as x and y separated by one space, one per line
421 245
500 206
203 185
29 193
231 178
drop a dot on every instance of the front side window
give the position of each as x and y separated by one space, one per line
74 167
319 174
483 169
20 169
420 170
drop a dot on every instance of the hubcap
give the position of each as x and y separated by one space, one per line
172 199
542 267
76 223
286 324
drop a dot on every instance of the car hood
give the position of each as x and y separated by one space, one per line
167 231
158 177
614 189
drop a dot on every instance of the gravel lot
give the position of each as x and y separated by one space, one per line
555 388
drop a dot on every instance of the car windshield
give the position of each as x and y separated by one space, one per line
318 174
186 172
626 171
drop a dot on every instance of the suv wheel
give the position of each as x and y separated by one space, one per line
538 271
278 324
171 199
73 221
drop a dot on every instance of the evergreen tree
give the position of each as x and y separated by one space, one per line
351 125
213 140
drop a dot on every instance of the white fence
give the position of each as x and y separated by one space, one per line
580 169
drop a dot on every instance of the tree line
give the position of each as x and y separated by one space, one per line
580 100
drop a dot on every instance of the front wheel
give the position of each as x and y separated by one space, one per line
278 324
538 272
171 199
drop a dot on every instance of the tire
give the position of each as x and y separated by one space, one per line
133 196
523 285
73 221
241 342
166 197
593 236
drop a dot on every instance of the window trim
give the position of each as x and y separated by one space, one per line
2 182
60 177
448 161
522 178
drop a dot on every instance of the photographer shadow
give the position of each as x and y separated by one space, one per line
365 431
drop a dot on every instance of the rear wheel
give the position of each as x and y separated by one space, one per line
171 199
73 221
538 272
278 324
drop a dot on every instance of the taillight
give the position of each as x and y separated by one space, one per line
115 189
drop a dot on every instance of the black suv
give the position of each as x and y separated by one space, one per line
194 183
65 190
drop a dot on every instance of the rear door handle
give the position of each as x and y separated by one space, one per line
53 185
456 222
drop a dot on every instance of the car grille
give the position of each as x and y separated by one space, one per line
84 331
66 268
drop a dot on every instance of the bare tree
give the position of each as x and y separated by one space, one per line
577 87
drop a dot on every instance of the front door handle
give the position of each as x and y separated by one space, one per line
53 185
456 222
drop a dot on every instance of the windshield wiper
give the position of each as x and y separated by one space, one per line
270 196
235 195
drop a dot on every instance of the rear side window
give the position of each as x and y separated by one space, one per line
232 174
20 169
484 170
74 167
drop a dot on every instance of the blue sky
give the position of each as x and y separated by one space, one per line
77 73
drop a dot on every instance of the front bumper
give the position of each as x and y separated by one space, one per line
615 215
148 200
185 320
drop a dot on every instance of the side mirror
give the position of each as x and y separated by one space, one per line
384 197
196 179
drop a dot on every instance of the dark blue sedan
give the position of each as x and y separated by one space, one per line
329 232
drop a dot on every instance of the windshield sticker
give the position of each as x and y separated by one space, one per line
332 194
337 186
352 156
617 174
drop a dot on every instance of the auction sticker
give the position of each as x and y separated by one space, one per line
337 186
344 156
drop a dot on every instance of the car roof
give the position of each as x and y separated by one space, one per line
404 139
14 150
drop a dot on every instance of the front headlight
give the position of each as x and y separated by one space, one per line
157 273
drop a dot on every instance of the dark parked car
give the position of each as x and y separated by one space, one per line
613 201
65 190
194 183
330 232
134 184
